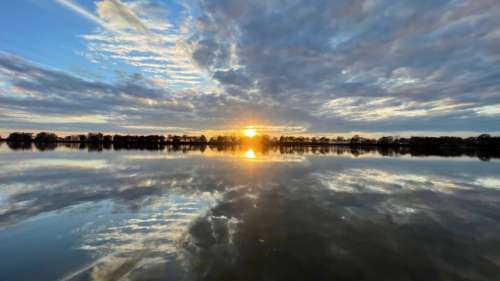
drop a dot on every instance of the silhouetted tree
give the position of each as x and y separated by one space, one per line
20 137
46 137
95 138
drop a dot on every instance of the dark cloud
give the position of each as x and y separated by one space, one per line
302 55
43 92
48 99
233 77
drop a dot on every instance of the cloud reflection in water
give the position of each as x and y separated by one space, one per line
224 218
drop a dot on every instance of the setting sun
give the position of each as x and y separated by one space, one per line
250 133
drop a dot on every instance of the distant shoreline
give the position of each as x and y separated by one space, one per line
484 141
294 144
483 147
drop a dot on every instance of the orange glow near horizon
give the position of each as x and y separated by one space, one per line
250 132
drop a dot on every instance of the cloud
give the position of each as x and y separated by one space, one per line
112 15
327 67
372 109
488 110
55 97
119 16
139 34
408 60
82 11
36 97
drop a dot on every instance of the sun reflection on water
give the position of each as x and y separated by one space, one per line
250 154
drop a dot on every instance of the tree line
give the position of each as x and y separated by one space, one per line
484 140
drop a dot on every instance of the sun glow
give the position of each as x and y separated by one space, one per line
250 154
250 133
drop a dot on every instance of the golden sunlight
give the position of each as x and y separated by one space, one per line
250 133
250 154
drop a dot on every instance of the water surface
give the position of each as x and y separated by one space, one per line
245 214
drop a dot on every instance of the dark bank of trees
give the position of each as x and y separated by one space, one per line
484 140
99 138
22 139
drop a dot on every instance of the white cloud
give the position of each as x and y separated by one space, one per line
21 115
488 110
380 108
140 38
82 12
489 182
118 16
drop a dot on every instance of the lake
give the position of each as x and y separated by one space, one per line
203 213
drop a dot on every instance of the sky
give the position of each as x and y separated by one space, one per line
326 67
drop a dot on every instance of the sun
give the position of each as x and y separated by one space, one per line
250 133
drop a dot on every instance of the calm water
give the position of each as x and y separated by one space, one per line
70 214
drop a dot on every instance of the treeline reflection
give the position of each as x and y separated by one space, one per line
356 151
